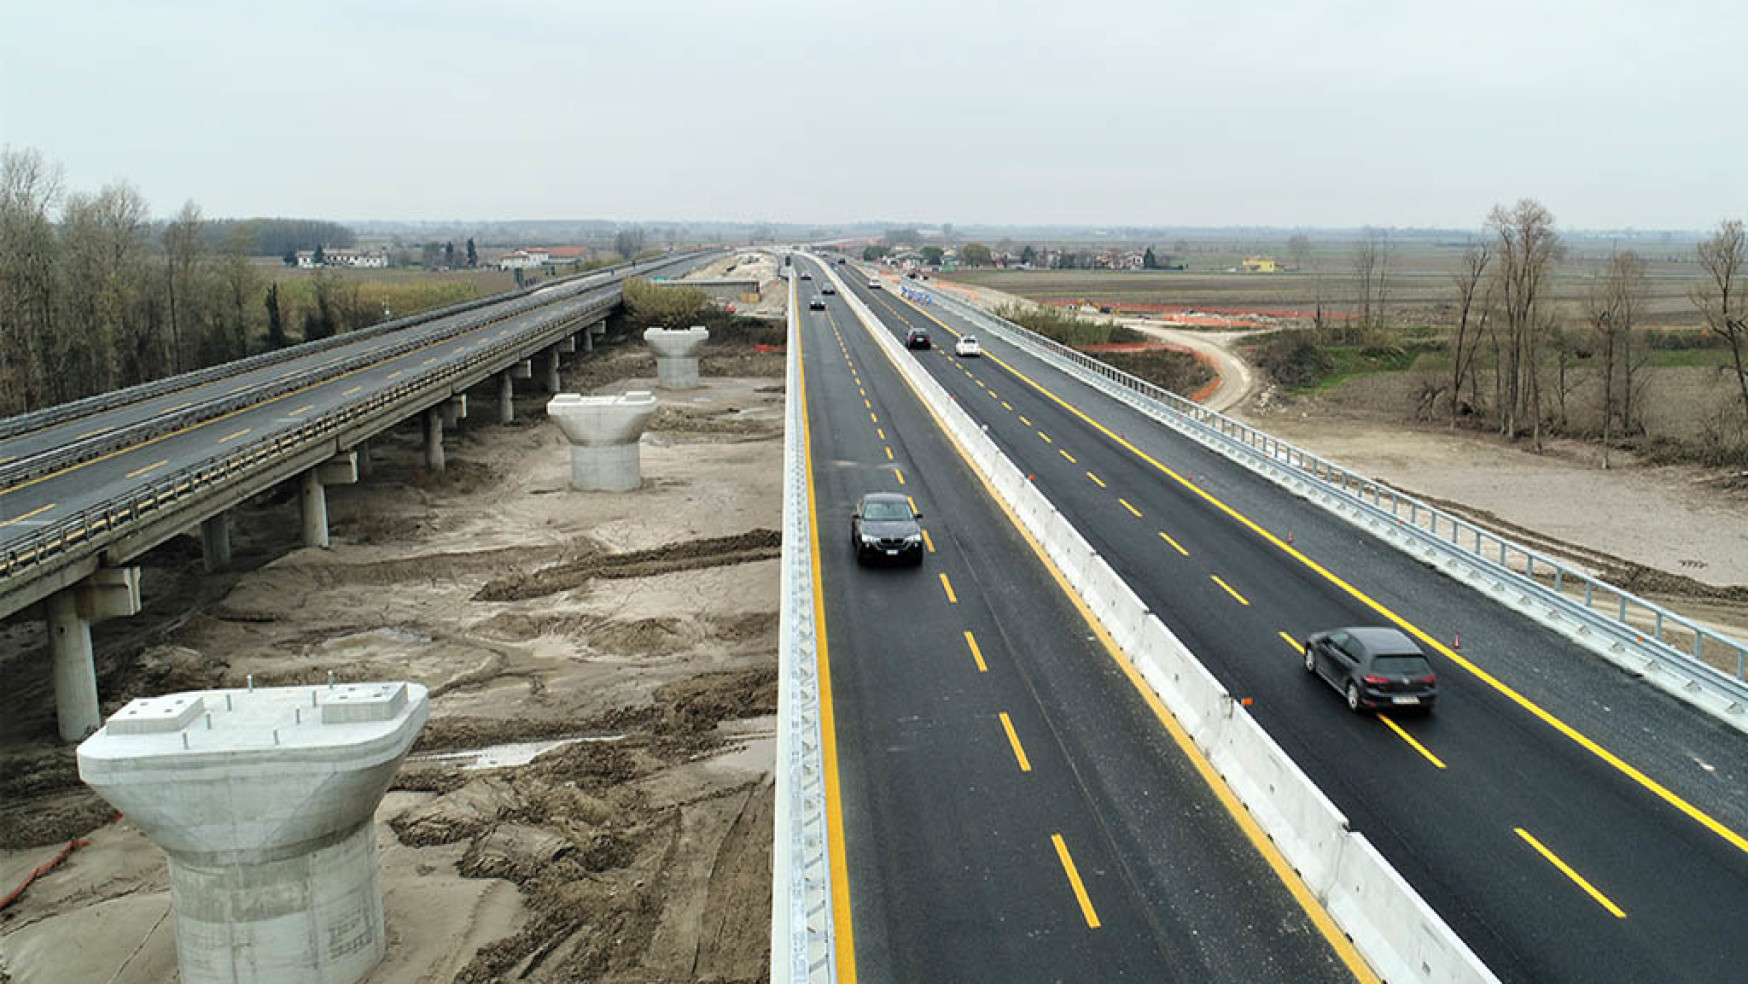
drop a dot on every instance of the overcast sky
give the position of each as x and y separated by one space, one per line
1314 113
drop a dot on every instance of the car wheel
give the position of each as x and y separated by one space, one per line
1310 661
1353 697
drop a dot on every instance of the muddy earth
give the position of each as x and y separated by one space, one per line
592 798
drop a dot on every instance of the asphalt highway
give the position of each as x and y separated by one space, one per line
52 497
1013 809
1570 823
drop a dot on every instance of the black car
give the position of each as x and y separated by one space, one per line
806 276
817 304
1373 667
916 338
827 289
884 527
841 261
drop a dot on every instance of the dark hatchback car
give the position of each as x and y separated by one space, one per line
884 527
827 289
1373 668
916 338
806 276
817 304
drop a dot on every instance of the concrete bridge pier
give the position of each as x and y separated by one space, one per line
523 369
262 799
604 432
676 351
455 411
506 398
365 464
568 344
111 592
339 470
597 331
552 380
434 439
215 542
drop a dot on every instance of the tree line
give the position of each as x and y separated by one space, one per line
101 297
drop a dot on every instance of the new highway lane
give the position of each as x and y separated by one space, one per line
1570 823
1013 810
50 498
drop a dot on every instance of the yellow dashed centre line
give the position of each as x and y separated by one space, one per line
1065 454
976 654
1046 437
900 473
927 542
136 473
1132 510
100 430
1163 535
947 586
874 417
1566 870
1289 640
1023 420
1096 480
1235 595
1074 882
395 374
1007 725
881 431
38 511
234 435
350 391
1005 405
914 511
1405 736
888 454
179 406
306 408
866 405
237 389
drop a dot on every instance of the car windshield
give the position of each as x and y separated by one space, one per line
969 340
885 512
1402 665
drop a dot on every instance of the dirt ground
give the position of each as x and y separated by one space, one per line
591 800
773 293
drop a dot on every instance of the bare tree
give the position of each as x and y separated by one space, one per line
1612 309
1722 297
1528 247
29 187
241 283
183 245
1474 309
1371 269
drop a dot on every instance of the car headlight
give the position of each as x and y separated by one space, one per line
870 540
913 539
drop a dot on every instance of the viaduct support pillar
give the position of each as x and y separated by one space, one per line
339 470
215 542
676 352
454 411
506 398
365 465
110 592
604 432
552 380
567 344
434 440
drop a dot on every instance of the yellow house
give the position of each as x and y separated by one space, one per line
1261 264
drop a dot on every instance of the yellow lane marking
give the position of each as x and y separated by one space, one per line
1065 454
928 542
1005 405
179 406
900 473
429 361
1007 725
1046 437
136 473
306 408
866 405
1096 480
1566 870
1132 510
861 391
1405 736
1289 640
842 928
1253 832
1163 535
350 391
1240 598
979 382
234 435
38 511
1662 792
394 374
1086 906
237 389
914 511
976 654
888 454
874 417
947 586
881 431
1023 420
289 373
100 430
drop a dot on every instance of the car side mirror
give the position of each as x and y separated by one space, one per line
917 515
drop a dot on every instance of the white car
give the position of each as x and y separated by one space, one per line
967 347
873 284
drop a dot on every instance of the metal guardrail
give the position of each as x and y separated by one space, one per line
803 940
1659 635
102 522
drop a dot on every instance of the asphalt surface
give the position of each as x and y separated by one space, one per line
55 497
972 778
1524 813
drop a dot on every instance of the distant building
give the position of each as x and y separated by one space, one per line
1261 264
306 258
529 257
